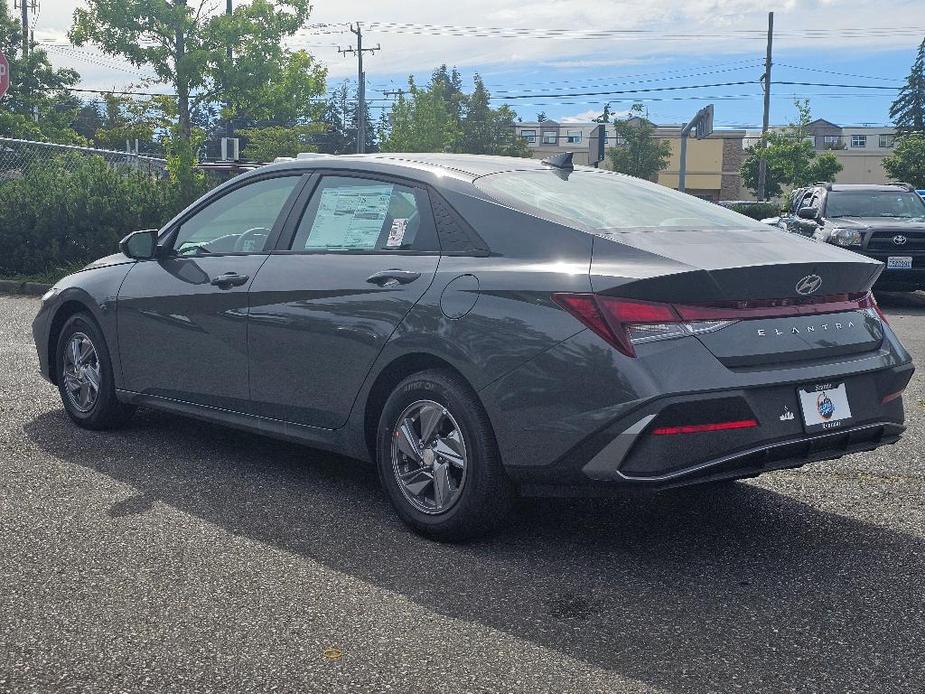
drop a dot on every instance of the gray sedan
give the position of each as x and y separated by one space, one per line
480 327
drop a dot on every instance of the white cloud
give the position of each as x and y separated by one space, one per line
671 25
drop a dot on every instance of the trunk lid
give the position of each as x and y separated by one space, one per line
741 269
727 265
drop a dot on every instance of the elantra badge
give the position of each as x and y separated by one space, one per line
900 240
809 284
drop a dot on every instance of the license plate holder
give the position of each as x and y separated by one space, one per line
825 406
899 262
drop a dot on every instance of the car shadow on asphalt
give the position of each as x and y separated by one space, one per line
902 302
687 591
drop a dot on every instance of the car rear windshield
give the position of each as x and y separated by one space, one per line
873 204
603 201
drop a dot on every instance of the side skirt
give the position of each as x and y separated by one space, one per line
332 440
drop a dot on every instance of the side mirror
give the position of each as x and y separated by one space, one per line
140 245
808 213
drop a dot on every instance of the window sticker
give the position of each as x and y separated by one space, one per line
350 217
397 233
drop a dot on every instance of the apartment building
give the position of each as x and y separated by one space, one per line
859 149
713 163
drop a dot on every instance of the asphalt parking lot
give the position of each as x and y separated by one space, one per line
175 556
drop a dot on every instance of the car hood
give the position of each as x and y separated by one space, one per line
914 225
108 261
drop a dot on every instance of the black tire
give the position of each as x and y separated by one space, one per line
486 496
105 412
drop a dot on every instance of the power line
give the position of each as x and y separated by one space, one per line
750 63
833 72
610 34
648 81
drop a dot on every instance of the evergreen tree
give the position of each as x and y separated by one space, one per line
443 118
908 111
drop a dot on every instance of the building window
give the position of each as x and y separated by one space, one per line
550 137
886 141
833 142
858 141
529 135
573 137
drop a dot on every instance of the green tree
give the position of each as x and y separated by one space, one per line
908 111
87 120
605 116
265 144
906 162
792 159
487 130
146 120
37 105
422 121
185 45
638 152
443 118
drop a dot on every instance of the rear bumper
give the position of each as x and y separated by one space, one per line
912 279
596 435
781 455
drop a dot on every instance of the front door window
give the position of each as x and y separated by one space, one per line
237 222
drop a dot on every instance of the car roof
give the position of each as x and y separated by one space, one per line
869 187
418 164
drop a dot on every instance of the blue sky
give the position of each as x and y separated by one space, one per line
649 44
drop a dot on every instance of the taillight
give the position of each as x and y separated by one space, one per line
627 322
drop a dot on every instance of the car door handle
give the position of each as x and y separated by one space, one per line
229 280
392 277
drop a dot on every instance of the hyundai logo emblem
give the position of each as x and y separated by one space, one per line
900 240
809 284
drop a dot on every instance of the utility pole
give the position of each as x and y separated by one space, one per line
24 6
361 83
763 161
229 128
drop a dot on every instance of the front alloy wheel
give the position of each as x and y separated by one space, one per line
81 372
85 378
429 457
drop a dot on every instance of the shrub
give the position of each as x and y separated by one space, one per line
74 208
757 210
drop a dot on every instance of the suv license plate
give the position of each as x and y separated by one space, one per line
899 262
824 406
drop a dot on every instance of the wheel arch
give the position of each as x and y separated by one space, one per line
390 376
69 308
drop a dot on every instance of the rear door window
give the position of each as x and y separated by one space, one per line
365 215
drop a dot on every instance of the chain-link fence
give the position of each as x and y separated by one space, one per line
17 156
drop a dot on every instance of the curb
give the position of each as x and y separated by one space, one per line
25 288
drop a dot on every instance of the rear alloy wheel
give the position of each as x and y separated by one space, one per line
85 378
429 457
438 460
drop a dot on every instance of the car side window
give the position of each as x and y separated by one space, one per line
237 222
365 215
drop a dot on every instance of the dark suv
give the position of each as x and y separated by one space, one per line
884 222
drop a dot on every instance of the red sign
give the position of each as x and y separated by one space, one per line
4 74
